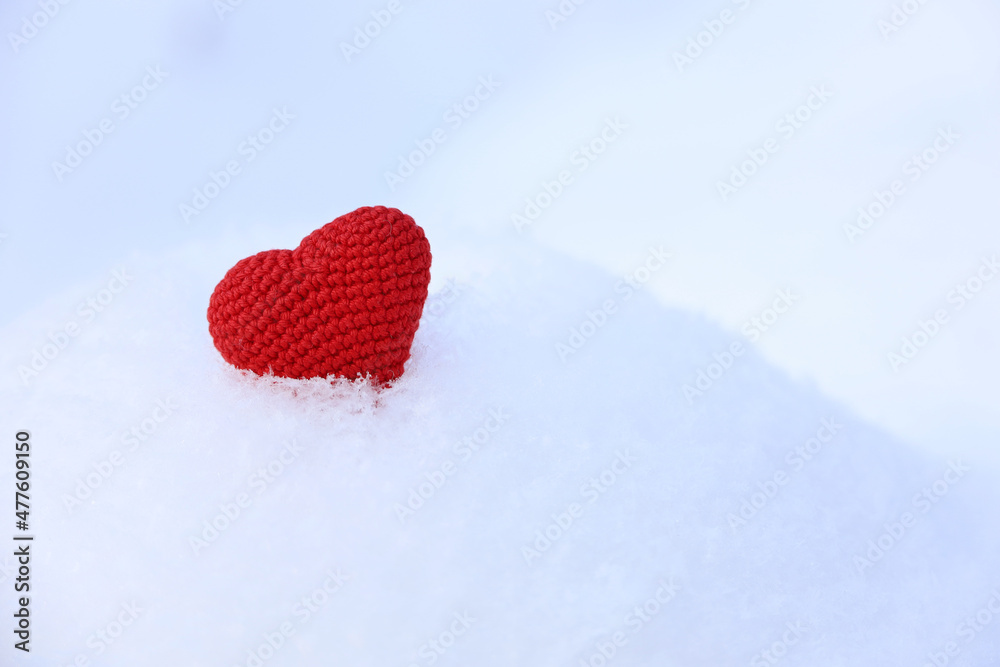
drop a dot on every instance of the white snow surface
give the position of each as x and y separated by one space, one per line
673 474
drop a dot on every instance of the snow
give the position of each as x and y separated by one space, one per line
637 488
748 479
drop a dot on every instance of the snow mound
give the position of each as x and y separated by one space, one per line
523 495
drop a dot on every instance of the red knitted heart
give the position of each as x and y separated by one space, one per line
346 302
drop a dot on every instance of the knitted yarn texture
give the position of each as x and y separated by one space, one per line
346 302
